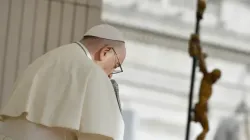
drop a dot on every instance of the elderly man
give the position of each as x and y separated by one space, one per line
66 94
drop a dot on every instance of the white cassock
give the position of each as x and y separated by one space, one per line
65 96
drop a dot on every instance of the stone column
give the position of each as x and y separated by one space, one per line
29 28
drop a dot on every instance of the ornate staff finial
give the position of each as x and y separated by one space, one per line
201 6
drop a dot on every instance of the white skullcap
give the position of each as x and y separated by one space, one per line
105 31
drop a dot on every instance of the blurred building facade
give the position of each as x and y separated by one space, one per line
29 28
156 78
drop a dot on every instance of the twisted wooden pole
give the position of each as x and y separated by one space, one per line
194 40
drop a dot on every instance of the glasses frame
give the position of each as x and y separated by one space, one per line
119 63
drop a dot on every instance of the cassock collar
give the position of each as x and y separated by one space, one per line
84 49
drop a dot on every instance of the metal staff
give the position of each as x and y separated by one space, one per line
201 6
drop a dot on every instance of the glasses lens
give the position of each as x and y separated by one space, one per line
117 70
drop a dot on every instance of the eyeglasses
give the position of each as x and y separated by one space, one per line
119 68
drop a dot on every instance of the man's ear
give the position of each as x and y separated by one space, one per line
104 53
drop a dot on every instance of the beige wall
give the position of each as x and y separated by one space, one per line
29 28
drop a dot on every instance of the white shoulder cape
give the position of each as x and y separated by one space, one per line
64 88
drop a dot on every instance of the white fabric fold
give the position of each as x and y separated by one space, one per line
64 88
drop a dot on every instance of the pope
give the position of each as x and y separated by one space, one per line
66 94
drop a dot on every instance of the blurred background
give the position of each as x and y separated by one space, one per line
154 87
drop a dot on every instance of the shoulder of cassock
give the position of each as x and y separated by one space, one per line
64 88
